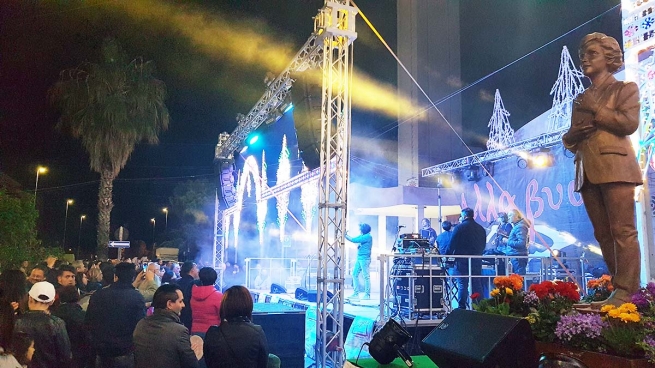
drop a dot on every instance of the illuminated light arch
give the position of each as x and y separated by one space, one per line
249 176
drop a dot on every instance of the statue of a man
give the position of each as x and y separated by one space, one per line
606 170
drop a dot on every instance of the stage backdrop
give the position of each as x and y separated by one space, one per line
545 196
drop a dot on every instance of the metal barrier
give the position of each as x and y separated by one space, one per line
412 276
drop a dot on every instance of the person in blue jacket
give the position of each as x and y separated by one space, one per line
363 262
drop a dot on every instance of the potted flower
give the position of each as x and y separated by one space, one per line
599 289
611 337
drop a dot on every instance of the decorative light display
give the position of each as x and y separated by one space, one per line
308 198
646 82
226 226
501 133
566 88
283 175
250 172
262 205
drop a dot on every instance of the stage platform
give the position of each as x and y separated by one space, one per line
352 308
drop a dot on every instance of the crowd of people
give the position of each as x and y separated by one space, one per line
133 313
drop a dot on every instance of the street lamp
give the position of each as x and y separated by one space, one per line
63 243
39 170
154 224
79 237
165 209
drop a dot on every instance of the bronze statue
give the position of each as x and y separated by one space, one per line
606 170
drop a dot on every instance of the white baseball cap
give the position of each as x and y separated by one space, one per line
42 292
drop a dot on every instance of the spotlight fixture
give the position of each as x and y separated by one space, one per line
540 158
387 344
472 173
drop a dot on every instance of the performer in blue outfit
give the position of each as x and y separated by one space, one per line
363 262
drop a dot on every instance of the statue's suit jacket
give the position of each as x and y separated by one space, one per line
607 156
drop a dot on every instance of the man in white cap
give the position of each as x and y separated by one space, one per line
51 344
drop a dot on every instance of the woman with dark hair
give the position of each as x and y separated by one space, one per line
363 261
13 301
81 281
205 302
237 342
20 354
606 170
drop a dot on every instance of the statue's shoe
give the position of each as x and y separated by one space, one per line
618 297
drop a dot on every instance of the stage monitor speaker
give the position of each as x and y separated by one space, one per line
309 295
278 289
469 339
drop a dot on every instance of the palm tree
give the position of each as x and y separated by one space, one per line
111 107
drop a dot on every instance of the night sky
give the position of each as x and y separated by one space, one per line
208 86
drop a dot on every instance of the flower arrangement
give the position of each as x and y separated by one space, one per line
599 289
644 300
506 299
624 331
548 301
627 330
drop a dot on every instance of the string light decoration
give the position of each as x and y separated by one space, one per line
308 198
226 226
566 88
646 82
249 176
283 175
262 205
501 133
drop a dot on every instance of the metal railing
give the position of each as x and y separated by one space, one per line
412 276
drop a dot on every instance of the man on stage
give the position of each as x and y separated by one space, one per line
469 239
363 261
427 232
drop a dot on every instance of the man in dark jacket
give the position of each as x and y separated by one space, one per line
51 344
72 314
189 272
112 316
161 340
468 239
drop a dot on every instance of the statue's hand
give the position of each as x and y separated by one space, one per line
586 103
579 133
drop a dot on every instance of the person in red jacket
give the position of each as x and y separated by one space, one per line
205 303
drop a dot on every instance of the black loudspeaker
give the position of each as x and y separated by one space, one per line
309 295
469 339
278 289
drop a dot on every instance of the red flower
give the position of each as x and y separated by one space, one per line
475 296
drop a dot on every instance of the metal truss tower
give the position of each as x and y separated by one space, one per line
330 47
335 26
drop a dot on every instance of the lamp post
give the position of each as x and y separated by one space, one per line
154 224
63 243
39 170
165 210
79 237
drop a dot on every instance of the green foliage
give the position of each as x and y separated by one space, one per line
623 338
193 201
111 106
18 240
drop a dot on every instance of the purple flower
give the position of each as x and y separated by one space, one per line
531 299
651 288
650 341
579 326
639 299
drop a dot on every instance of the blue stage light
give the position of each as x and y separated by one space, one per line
288 108
253 139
